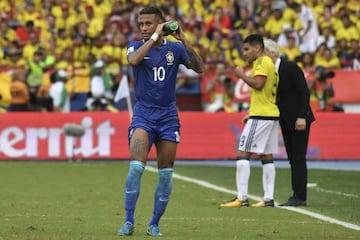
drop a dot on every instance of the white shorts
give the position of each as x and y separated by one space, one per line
260 136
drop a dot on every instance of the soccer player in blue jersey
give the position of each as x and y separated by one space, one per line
155 63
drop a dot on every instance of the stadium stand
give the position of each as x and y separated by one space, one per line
40 37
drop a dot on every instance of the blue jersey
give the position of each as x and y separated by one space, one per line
155 76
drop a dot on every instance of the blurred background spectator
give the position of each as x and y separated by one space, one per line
42 37
59 93
221 90
321 90
20 99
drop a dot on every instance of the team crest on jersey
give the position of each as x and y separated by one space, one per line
170 58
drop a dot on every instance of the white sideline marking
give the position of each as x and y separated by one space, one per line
220 219
336 192
294 209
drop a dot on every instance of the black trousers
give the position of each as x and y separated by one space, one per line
296 143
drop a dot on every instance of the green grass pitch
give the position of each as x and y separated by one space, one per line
65 201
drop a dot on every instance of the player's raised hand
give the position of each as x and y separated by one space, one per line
159 29
179 34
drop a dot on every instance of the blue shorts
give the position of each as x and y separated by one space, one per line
160 124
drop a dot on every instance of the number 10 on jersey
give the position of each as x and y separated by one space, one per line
159 73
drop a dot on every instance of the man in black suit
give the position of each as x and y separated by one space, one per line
295 120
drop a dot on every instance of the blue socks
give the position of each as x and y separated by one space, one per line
162 194
132 188
132 191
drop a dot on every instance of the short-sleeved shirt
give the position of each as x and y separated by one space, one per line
60 97
263 101
155 107
155 76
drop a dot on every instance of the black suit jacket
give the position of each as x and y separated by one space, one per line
293 94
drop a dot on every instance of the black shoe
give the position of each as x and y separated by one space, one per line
293 202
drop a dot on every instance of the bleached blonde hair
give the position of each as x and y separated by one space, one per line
271 46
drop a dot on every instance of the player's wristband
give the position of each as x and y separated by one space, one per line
154 36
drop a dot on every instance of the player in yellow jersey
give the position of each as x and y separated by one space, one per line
260 132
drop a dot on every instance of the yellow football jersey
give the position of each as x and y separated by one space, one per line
263 101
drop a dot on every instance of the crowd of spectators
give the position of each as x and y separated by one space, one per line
83 44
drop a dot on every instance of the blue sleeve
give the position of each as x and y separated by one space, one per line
132 46
184 59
